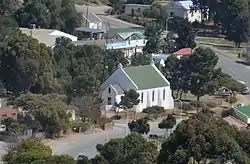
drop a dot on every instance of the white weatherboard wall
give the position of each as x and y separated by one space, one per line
242 116
158 98
113 95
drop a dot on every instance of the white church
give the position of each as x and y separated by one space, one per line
147 80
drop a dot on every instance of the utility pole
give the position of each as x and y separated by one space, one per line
87 14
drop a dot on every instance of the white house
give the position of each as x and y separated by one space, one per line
128 47
136 9
147 80
183 9
92 20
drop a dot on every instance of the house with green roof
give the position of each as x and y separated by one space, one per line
147 80
243 113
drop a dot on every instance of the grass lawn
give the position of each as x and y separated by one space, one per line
218 41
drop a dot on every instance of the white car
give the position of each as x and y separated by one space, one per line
2 128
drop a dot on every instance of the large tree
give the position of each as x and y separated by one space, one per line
202 65
51 111
235 21
133 149
33 151
26 65
48 14
140 126
204 138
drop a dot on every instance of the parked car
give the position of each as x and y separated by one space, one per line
245 90
223 92
154 136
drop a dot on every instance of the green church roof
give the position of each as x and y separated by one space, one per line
146 77
245 110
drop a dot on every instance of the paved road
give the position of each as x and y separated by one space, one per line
86 144
115 23
233 66
106 19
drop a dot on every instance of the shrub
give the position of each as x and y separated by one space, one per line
104 120
116 117
187 107
211 104
197 104
232 100
85 127
154 110
228 112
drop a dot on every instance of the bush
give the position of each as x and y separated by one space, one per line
116 117
85 127
136 20
232 100
187 107
211 104
197 104
104 120
228 112
154 110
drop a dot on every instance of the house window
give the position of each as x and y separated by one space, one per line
4 115
153 95
13 114
109 101
109 90
163 94
142 97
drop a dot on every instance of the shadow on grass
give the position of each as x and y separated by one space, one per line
243 63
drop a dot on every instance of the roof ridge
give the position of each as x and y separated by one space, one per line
138 66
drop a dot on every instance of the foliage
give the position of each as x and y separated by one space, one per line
48 14
143 21
140 59
167 123
116 117
123 150
187 107
26 65
203 74
28 151
230 83
154 110
51 111
232 16
228 112
32 151
195 73
13 126
140 126
211 104
232 99
203 138
130 99
81 69
197 104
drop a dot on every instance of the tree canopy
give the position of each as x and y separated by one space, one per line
196 73
34 151
123 150
205 138
51 111
44 14
140 126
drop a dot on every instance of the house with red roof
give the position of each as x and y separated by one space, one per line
184 52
